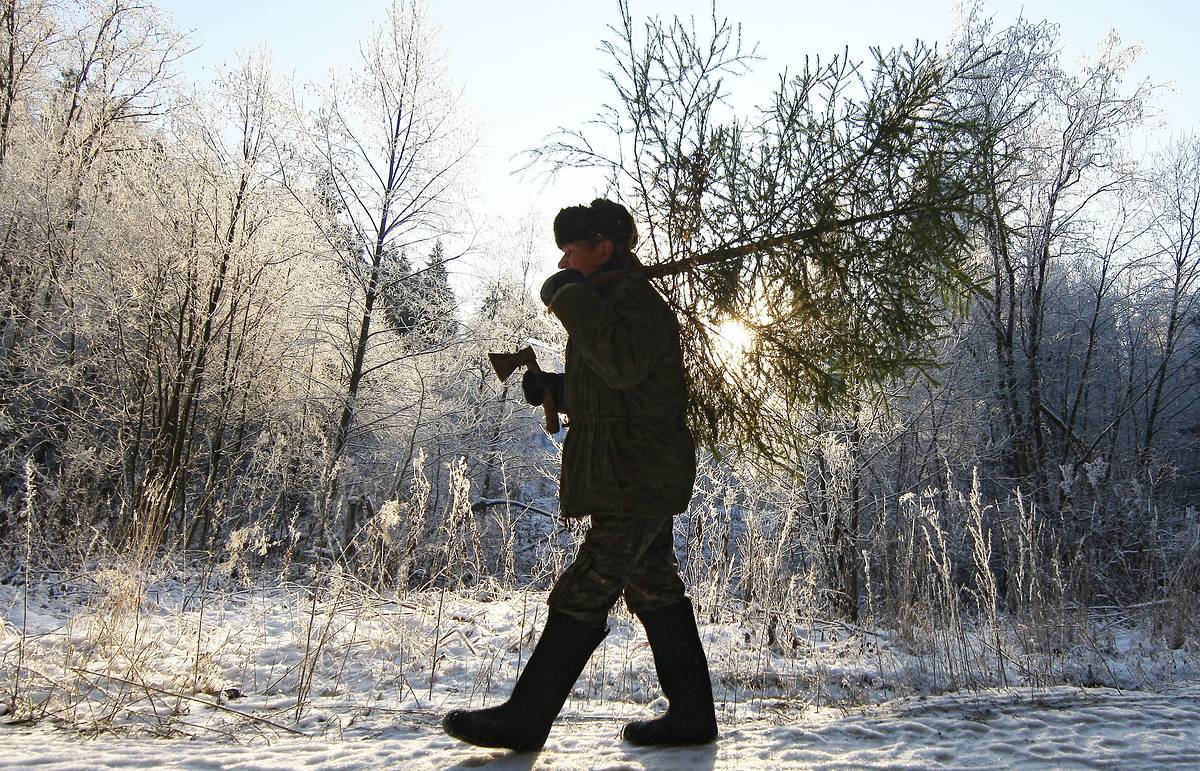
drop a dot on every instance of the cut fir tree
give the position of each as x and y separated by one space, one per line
833 228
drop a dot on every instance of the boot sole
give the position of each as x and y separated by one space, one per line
695 740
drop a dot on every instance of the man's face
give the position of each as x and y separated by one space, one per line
584 256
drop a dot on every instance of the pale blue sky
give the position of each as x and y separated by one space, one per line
527 66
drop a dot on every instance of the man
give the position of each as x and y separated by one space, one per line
629 462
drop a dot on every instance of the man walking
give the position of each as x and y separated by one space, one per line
629 463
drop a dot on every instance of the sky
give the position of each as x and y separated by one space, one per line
526 67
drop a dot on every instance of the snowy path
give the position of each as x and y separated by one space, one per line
1058 728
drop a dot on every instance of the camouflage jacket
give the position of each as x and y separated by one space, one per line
628 449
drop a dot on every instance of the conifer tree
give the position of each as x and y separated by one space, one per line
435 311
811 251
396 295
418 304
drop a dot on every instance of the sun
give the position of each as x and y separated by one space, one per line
733 339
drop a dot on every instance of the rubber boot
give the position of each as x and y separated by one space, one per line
683 675
523 722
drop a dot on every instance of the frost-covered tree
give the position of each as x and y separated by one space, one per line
386 148
1048 196
80 87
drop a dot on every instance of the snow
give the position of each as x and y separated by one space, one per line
1050 728
163 674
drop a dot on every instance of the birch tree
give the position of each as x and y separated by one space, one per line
387 146
1062 172
1176 262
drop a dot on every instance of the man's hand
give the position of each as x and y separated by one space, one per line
534 387
558 281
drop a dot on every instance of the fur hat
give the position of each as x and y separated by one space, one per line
602 219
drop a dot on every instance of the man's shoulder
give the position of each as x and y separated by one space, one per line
625 285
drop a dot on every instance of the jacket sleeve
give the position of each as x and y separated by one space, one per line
553 382
618 335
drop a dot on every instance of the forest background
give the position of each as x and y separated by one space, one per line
230 339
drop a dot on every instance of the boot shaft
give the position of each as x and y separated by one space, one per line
523 722
683 675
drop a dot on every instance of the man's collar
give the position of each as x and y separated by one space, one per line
615 269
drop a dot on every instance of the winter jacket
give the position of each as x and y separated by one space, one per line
628 449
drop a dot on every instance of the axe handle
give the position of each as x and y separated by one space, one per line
548 404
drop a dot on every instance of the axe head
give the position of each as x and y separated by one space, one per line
506 363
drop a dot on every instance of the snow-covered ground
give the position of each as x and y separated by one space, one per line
1051 728
120 672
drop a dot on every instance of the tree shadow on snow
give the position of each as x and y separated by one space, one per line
497 759
701 758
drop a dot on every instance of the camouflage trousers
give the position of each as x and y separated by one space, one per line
630 555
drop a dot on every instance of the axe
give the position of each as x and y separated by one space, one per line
506 363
